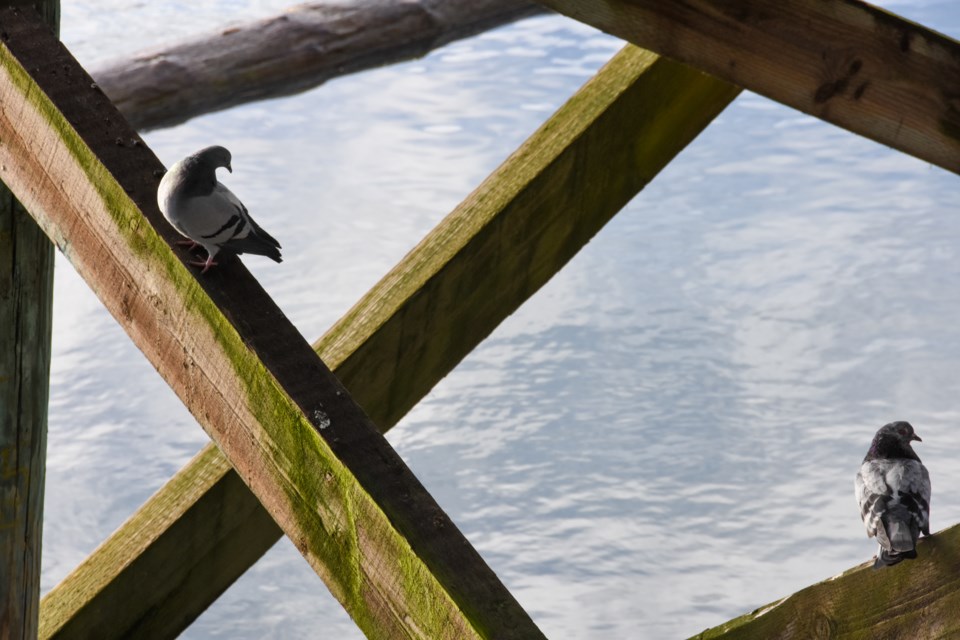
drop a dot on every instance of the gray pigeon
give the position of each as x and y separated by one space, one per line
893 490
207 213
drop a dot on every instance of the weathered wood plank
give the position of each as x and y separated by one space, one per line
538 209
328 478
157 588
26 304
844 61
297 50
916 599
26 295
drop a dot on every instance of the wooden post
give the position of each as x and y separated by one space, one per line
26 295
329 479
844 61
618 131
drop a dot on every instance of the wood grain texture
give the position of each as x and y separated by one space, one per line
297 50
26 305
379 541
168 561
916 599
533 209
26 295
844 61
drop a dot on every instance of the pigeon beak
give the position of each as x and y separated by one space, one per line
916 437
229 168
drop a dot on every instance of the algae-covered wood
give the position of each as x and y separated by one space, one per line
635 115
328 478
26 303
300 48
916 599
167 562
845 61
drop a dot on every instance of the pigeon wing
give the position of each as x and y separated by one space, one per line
894 499
913 492
872 495
247 235
210 220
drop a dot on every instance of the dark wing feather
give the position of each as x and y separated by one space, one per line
249 237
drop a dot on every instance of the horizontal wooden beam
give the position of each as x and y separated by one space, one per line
299 49
314 460
481 263
916 599
844 61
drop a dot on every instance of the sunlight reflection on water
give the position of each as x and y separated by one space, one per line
664 437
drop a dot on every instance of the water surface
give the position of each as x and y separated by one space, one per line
663 438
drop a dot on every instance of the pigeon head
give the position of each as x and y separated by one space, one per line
196 175
893 441
214 157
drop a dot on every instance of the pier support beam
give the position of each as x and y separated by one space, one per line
844 61
916 599
26 295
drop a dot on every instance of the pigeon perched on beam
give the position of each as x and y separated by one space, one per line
207 213
893 490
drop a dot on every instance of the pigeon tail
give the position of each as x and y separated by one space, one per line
898 535
902 539
254 244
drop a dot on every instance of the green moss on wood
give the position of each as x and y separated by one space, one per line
915 599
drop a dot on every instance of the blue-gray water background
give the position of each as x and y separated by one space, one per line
664 437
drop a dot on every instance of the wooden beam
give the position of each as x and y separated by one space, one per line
328 478
538 209
297 50
916 599
26 300
168 561
26 304
844 61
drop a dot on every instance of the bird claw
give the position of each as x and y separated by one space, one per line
206 264
189 244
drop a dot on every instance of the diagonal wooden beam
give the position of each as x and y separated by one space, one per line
917 599
328 478
482 262
844 61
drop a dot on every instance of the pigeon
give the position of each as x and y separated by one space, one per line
207 213
893 490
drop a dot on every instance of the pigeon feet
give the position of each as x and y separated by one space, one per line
206 264
189 244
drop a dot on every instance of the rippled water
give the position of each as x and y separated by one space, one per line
663 438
